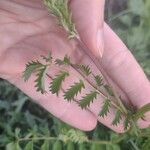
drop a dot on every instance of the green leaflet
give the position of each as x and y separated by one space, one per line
65 61
30 68
105 108
74 90
98 80
140 112
57 145
109 90
13 146
70 146
126 123
56 83
117 119
47 58
29 146
97 147
40 69
85 69
40 85
45 145
88 99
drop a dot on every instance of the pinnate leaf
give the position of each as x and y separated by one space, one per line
56 83
74 90
105 108
88 99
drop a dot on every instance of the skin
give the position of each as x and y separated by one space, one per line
28 31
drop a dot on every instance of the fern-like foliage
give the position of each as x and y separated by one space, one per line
117 119
60 9
31 67
85 69
88 99
77 136
105 108
56 83
74 90
65 61
98 80
41 73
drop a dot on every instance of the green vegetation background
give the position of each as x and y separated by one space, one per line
20 117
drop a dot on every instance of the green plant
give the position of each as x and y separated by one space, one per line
60 9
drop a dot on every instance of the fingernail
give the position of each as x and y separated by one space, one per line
100 43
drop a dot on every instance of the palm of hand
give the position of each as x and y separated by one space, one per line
25 37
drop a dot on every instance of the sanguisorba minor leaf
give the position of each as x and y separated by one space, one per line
105 108
40 85
74 90
57 81
117 119
88 99
30 68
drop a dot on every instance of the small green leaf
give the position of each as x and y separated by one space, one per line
85 69
117 119
13 146
57 146
31 67
109 90
98 80
140 112
70 146
40 85
45 145
105 108
29 146
126 123
65 61
88 99
48 58
56 83
74 90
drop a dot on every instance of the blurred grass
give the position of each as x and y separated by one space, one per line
20 117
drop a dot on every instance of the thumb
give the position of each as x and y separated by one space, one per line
88 16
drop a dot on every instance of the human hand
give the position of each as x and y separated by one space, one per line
27 31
